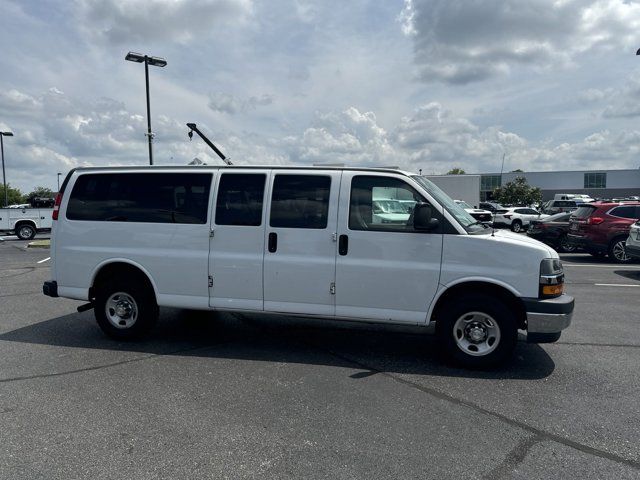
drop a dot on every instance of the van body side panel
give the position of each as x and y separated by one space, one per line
495 258
385 276
237 244
300 272
174 255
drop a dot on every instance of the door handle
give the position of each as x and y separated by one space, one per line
273 242
343 245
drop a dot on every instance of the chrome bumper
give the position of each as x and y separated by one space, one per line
548 322
547 318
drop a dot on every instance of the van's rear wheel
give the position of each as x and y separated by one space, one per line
477 331
125 309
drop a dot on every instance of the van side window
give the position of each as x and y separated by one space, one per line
240 197
300 201
141 197
383 204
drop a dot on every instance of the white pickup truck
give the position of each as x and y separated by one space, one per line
25 222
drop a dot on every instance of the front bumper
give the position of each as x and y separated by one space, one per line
547 318
632 250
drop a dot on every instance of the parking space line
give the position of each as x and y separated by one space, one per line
611 265
44 260
617 285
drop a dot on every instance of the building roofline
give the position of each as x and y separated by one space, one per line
566 171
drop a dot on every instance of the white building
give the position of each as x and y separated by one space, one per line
596 183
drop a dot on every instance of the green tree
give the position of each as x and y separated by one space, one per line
39 192
518 192
14 195
456 171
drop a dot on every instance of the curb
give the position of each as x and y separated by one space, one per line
39 244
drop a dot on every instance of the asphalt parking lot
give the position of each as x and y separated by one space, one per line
237 396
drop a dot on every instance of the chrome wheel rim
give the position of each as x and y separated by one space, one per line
121 310
25 232
619 251
476 334
516 227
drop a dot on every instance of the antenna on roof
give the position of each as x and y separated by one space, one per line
194 128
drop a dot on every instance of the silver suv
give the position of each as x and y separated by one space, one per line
632 246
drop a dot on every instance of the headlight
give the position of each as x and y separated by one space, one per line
551 278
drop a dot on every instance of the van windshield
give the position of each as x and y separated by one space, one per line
470 224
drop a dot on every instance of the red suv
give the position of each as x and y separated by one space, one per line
602 227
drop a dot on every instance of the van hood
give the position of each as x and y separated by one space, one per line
519 239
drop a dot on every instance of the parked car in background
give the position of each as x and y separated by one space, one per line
387 210
491 206
517 218
632 245
577 197
484 216
602 228
25 222
553 231
557 206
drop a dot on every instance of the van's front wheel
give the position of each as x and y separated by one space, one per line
125 310
477 332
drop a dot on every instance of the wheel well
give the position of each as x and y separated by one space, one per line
31 223
616 238
457 291
118 269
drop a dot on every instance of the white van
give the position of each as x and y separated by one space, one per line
300 241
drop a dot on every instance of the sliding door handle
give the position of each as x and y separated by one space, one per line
273 242
343 245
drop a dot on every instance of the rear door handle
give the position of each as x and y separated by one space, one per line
273 242
343 245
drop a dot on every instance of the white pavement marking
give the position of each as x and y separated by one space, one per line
612 265
617 285
44 260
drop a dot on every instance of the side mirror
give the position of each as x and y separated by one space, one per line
422 220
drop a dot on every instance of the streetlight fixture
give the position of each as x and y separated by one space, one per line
4 178
156 62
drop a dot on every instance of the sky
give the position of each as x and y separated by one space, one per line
419 84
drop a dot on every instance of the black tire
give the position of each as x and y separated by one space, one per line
25 231
566 247
516 226
123 293
468 311
616 252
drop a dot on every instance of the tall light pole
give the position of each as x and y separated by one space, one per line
156 62
4 178
58 182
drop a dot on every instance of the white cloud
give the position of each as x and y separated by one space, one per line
125 21
230 104
460 42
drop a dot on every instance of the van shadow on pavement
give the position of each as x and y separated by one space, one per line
630 274
372 348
